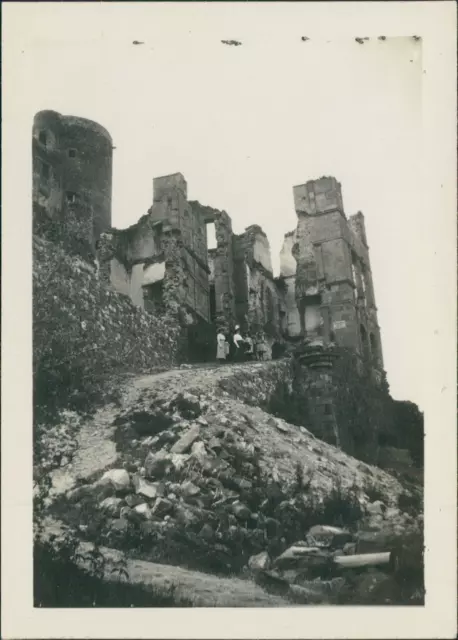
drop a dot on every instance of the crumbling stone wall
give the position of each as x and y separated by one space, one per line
331 295
259 301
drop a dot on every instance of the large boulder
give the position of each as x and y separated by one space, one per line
119 479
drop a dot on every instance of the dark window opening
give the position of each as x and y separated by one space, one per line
327 409
270 306
45 171
364 342
71 197
374 349
212 295
153 297
42 137
72 153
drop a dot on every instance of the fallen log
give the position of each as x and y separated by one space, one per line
363 560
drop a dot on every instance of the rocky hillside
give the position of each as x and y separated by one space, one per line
186 469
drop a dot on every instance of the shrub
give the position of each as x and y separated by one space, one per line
410 503
374 493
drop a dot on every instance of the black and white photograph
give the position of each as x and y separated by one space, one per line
233 311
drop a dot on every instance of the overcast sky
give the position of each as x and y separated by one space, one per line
244 124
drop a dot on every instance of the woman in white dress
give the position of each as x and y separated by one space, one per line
221 350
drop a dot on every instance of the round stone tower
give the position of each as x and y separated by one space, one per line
72 170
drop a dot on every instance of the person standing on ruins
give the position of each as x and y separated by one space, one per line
238 344
260 347
249 347
221 347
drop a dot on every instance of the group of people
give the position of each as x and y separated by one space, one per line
239 348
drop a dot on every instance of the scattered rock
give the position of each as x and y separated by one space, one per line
198 451
278 424
240 510
185 516
185 442
119 479
143 510
148 489
162 507
272 527
202 421
132 500
179 460
157 465
302 557
376 508
119 525
349 549
371 541
125 513
188 488
207 532
188 405
244 485
260 562
111 505
326 536
215 444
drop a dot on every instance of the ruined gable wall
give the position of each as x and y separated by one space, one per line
171 236
222 264
260 301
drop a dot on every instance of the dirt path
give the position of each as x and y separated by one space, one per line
202 589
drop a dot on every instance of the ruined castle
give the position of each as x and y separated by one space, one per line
324 293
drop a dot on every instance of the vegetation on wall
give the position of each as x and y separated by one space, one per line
83 333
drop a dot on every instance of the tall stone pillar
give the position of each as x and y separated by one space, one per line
224 272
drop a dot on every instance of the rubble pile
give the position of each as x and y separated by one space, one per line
204 481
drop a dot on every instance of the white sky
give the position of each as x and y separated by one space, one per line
244 124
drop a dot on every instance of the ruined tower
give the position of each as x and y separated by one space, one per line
330 293
72 171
